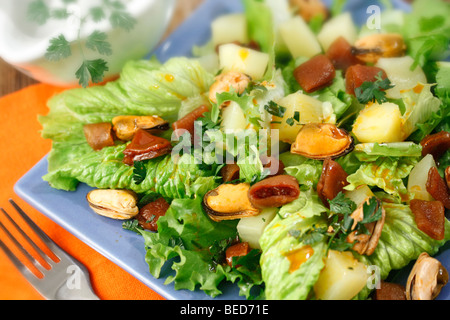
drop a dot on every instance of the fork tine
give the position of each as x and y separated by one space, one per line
17 263
58 283
32 259
35 228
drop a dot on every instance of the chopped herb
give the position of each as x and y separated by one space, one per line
297 116
373 91
342 222
132 225
341 204
290 121
372 211
139 172
275 109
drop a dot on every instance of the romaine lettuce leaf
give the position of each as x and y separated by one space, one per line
144 88
372 151
400 243
284 281
261 28
307 174
385 173
105 170
421 114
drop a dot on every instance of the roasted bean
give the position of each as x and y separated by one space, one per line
358 74
149 214
437 187
145 146
332 181
315 74
237 250
429 217
230 172
99 135
341 55
436 144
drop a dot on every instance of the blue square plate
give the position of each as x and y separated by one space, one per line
125 248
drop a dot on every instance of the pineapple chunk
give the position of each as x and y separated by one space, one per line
418 177
342 278
229 28
250 229
244 60
233 118
399 73
359 195
299 38
309 108
380 123
341 25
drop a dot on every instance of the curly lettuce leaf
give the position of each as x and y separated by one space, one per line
187 233
385 173
426 29
423 112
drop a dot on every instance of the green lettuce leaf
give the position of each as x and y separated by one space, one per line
198 243
422 112
372 151
307 174
105 170
336 95
426 31
400 243
261 28
144 88
385 173
281 238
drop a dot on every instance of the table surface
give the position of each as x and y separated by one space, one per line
12 80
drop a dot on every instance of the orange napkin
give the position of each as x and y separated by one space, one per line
21 147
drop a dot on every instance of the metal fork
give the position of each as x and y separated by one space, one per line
63 278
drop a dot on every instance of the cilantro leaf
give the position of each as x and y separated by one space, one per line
38 11
370 91
59 49
91 69
123 20
341 204
97 14
97 41
60 13
372 211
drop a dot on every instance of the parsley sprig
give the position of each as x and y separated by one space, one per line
374 91
60 48
340 223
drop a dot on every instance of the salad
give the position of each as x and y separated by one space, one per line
295 154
